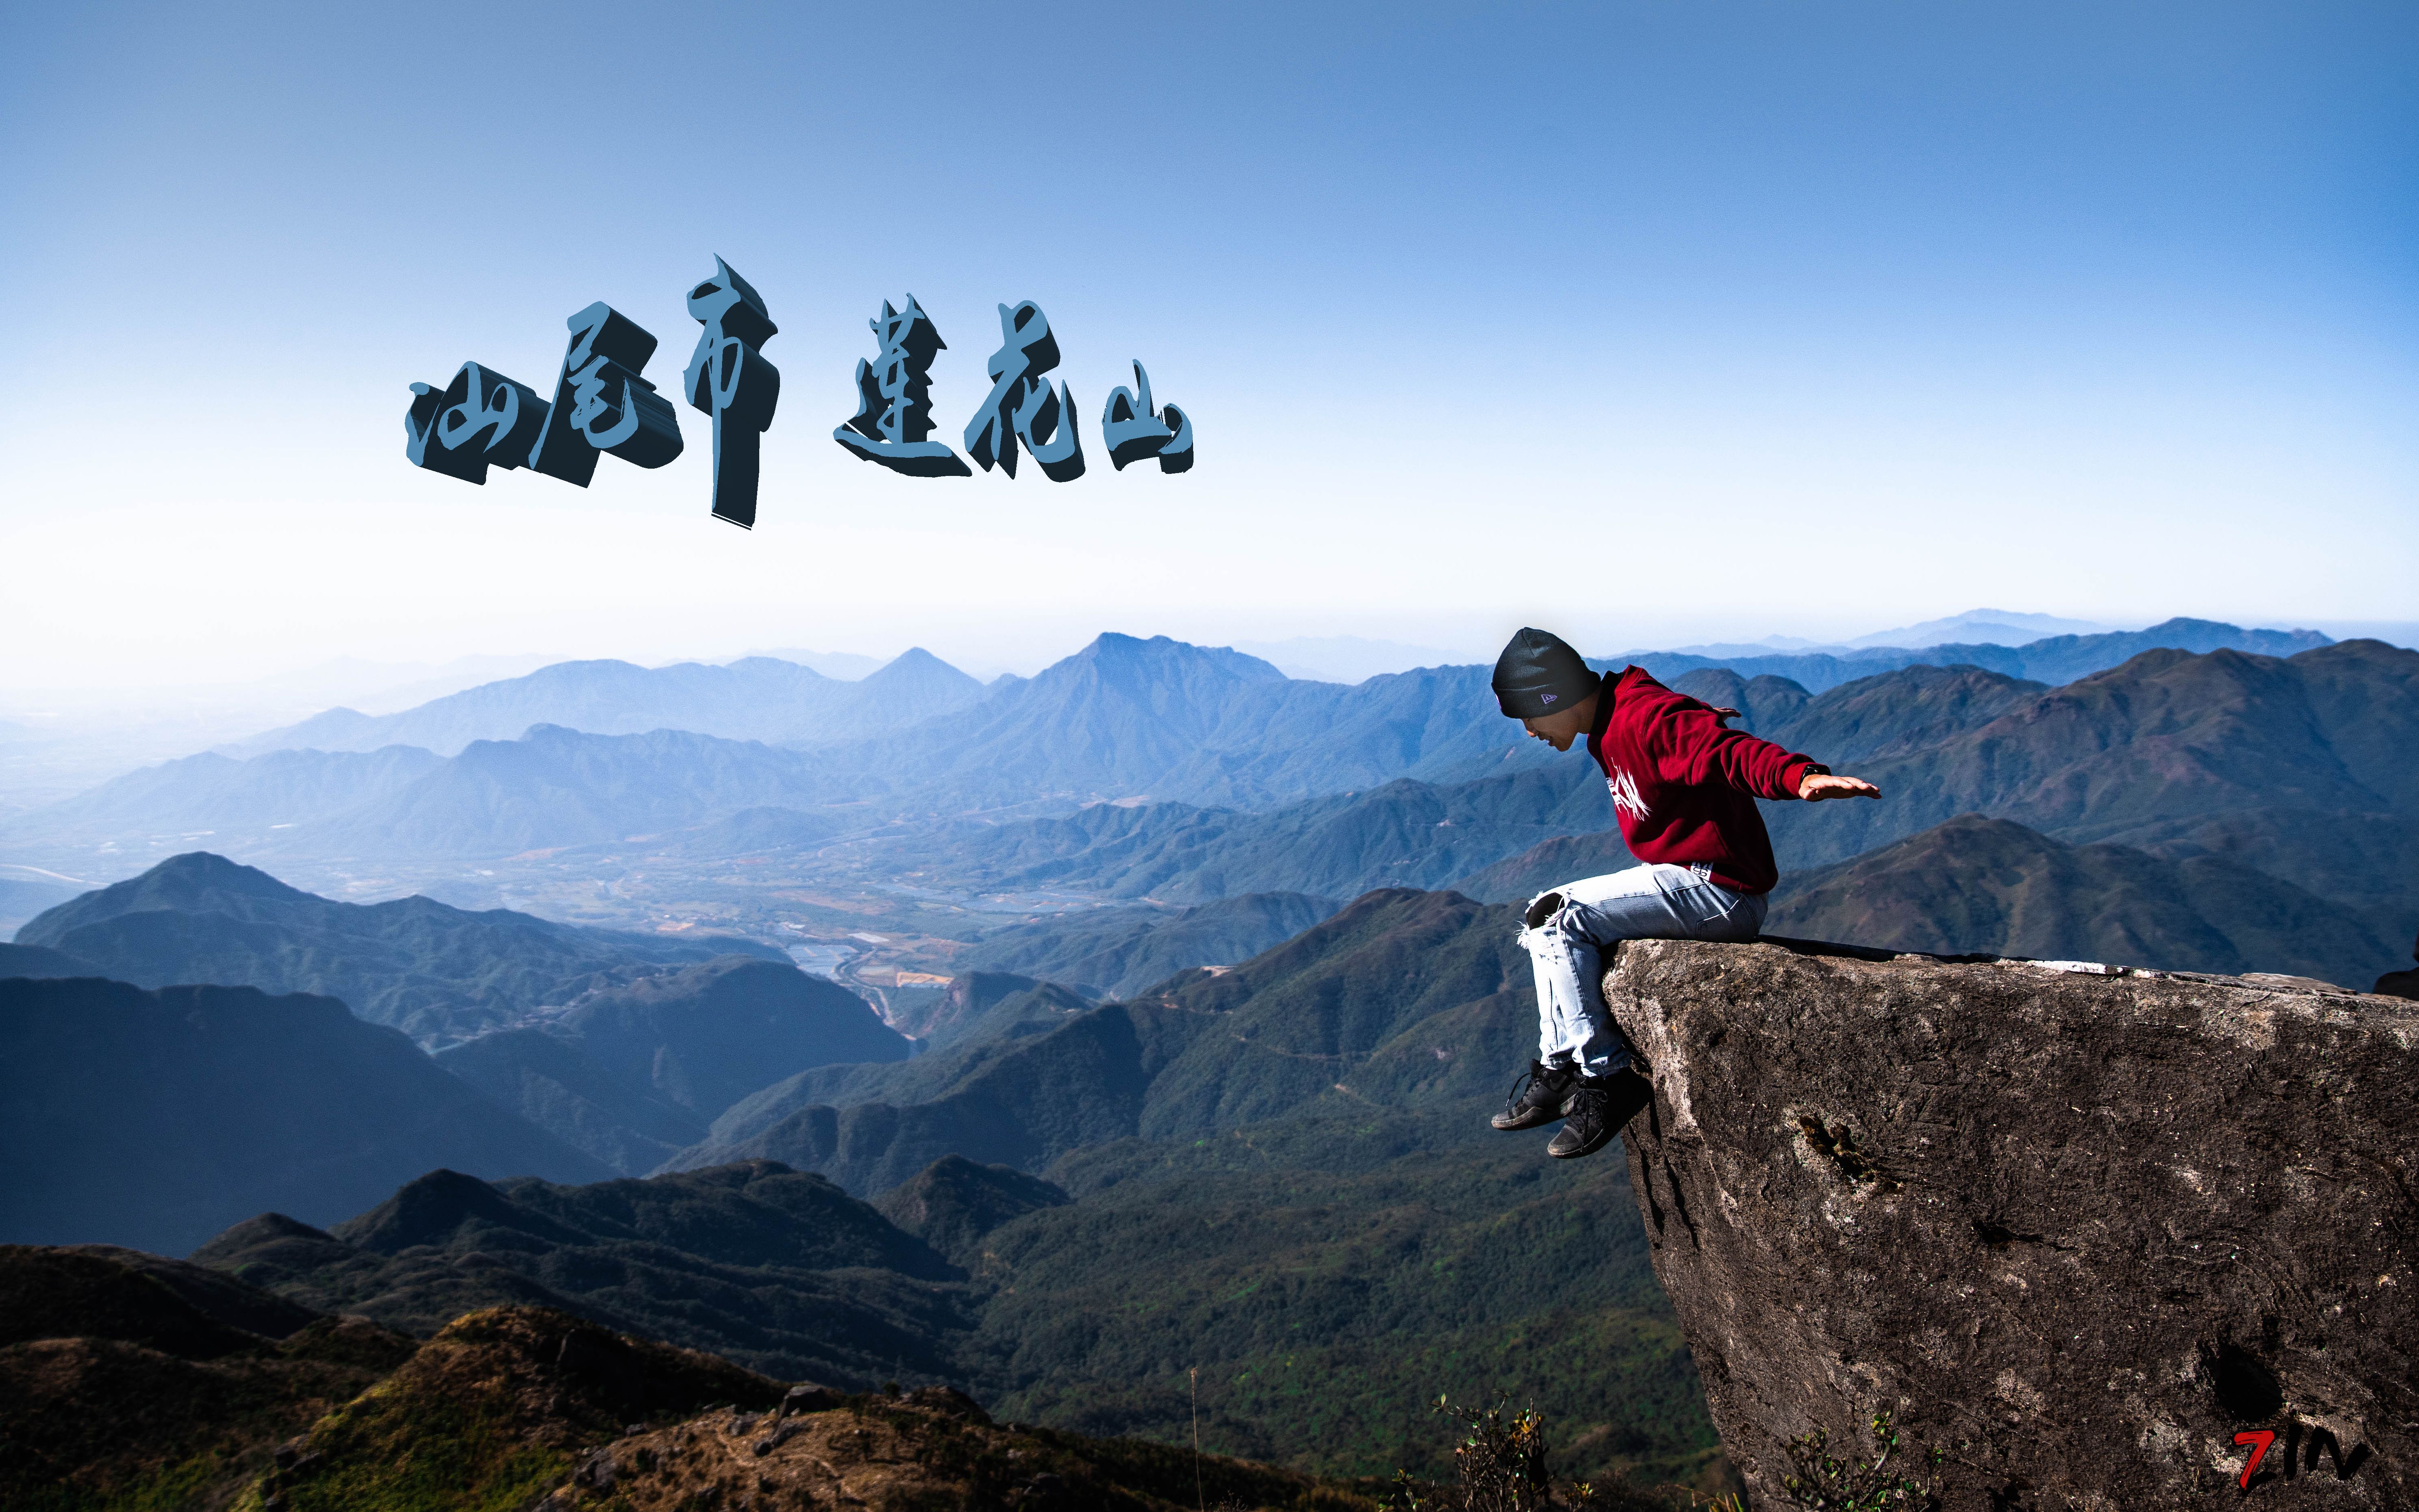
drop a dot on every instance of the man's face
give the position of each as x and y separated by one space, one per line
1559 730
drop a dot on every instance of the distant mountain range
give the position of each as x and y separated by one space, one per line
1124 719
2291 766
1343 659
1427 835
228 801
1403 833
22 898
2053 659
1989 626
758 698
556 788
626 1047
1975 626
435 972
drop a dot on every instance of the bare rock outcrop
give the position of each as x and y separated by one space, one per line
2090 1232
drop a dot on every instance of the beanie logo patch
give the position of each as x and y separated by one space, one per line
1547 697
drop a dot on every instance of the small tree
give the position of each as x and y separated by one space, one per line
1502 1458
1500 1465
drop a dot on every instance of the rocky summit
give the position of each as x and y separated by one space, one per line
2091 1236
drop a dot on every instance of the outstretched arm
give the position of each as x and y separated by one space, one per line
1692 743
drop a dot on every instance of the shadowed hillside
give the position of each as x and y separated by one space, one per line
154 1119
632 1072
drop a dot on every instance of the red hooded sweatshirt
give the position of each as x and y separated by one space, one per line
1684 787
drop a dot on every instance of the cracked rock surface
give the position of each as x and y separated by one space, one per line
2077 1228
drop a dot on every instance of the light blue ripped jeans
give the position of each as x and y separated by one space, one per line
1645 902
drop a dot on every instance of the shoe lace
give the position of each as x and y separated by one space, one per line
1587 1101
1519 1083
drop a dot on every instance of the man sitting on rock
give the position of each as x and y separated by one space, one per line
1684 789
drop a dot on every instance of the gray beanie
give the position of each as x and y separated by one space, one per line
1539 674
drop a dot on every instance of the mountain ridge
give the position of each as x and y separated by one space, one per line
433 970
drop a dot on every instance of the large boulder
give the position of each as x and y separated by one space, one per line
2078 1228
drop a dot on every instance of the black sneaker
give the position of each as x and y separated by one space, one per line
1599 1105
1538 1096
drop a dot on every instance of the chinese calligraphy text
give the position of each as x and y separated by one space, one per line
728 379
894 410
1023 408
1132 430
483 419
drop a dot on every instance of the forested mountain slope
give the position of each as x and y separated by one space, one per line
1116 952
1401 995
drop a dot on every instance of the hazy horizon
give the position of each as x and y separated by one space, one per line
404 684
1660 325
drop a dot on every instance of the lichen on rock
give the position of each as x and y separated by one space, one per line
2077 1227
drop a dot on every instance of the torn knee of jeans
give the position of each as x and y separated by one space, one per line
1541 908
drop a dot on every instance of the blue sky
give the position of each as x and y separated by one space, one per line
1657 323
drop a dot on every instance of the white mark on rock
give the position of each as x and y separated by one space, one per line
2012 1388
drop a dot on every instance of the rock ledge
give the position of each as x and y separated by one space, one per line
2078 1226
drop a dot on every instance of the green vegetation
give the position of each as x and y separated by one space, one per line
1821 1483
170 1488
423 1453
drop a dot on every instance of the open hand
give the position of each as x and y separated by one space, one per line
1819 785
